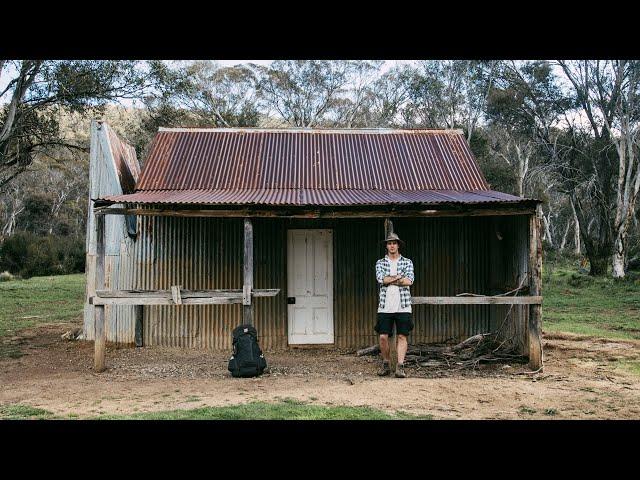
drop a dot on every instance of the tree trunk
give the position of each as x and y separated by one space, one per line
576 231
619 252
598 265
597 246
564 237
547 229
519 185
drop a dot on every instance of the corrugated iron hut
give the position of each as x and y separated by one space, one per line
282 228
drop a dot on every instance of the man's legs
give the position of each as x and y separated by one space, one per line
402 348
384 346
402 351
384 350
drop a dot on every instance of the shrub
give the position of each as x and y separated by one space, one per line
578 280
29 255
14 251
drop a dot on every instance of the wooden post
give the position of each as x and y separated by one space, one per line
535 311
100 339
139 313
247 304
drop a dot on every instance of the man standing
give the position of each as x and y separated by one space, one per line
395 274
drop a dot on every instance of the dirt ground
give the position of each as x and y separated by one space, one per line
582 378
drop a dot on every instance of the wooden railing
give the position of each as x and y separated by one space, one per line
176 296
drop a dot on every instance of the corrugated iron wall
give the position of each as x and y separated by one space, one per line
113 169
509 253
452 255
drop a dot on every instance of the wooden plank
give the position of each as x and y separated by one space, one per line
139 315
535 311
175 294
480 300
247 307
243 213
140 300
100 337
246 295
257 292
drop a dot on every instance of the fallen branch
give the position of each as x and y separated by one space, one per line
483 348
372 350
470 341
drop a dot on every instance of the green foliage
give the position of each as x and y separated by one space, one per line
578 303
527 410
632 366
289 410
579 280
36 216
28 255
526 99
24 412
39 90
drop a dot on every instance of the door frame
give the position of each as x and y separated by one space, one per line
290 276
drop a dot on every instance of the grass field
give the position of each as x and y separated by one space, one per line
37 301
577 303
284 410
573 303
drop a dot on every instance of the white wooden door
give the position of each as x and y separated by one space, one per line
310 286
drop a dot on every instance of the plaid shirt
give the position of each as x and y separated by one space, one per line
405 268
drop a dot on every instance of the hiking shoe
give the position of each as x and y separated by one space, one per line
400 371
384 370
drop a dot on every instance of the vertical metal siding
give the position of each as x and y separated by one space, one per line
451 256
510 261
113 169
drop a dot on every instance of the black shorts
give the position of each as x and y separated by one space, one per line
403 322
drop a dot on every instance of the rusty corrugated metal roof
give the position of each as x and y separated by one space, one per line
310 197
310 167
193 159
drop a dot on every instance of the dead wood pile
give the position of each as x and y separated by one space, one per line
475 350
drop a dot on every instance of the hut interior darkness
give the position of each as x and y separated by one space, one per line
282 229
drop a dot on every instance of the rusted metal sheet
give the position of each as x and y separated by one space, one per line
113 169
451 256
195 159
207 254
125 160
310 197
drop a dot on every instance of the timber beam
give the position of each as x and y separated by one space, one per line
247 274
176 296
99 332
313 213
478 300
534 329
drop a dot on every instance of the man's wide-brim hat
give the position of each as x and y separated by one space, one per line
392 236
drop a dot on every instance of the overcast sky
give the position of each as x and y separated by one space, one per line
229 63
9 72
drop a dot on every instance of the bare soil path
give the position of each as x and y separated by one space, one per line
583 378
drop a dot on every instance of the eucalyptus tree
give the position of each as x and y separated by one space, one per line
523 108
34 94
606 93
304 93
448 93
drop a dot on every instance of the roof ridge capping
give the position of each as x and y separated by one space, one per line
456 131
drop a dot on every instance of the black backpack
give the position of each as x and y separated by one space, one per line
247 359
